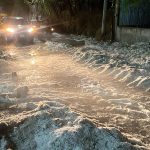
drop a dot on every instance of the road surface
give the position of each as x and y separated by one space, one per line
57 76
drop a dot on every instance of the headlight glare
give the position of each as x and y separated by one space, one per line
30 30
10 30
52 29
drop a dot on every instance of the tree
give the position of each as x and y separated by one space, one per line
80 16
20 8
131 2
103 29
7 5
14 7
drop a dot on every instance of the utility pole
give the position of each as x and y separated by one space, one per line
103 29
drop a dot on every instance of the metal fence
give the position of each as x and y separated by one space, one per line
136 15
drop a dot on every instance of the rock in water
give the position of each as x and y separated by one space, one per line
14 76
5 102
21 92
76 43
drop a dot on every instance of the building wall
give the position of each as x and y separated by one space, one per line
124 32
132 34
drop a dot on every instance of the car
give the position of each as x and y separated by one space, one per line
16 29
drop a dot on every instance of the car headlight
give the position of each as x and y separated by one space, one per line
10 30
52 29
30 30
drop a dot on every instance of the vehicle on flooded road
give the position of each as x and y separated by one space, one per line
17 30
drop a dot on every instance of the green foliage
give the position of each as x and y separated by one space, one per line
80 16
128 3
73 6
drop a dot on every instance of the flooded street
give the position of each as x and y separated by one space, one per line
74 75
58 76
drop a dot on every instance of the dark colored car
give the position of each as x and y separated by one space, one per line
16 29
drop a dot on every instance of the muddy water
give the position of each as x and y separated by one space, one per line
57 76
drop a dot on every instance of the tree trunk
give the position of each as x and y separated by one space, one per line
114 2
103 29
116 18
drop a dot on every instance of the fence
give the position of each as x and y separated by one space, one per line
136 15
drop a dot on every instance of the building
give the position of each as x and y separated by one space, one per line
132 22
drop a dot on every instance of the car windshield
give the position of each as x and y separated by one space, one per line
15 21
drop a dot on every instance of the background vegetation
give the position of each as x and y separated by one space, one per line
15 7
76 16
71 16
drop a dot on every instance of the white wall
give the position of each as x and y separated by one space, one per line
129 34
